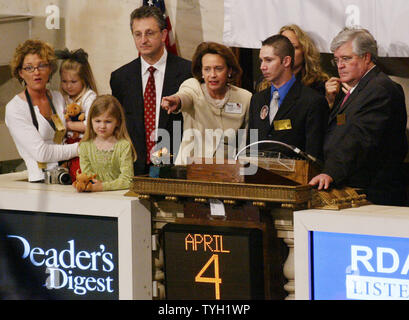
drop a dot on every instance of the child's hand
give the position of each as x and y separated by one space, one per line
96 185
68 123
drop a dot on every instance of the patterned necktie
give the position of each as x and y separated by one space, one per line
274 106
149 100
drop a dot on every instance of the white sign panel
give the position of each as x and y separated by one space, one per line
247 23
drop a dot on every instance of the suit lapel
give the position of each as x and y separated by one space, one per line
264 101
135 91
335 109
361 85
171 73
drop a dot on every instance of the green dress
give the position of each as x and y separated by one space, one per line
114 167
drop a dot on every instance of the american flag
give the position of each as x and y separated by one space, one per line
170 40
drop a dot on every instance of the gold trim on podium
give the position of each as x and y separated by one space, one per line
281 182
143 186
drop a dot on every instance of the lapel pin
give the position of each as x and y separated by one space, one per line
264 112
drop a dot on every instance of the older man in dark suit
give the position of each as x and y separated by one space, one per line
365 144
140 85
287 112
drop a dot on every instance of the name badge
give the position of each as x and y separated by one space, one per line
341 119
284 124
233 107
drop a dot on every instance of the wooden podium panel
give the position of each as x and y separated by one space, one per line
232 172
299 171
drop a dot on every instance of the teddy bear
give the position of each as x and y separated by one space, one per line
74 113
83 182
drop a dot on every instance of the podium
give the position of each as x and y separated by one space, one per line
264 201
283 181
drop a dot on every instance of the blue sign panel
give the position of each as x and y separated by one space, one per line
361 267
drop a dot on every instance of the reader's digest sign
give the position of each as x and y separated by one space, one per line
71 268
362 267
58 256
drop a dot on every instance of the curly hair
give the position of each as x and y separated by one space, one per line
43 49
311 70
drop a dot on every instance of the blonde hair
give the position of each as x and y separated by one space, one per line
108 103
43 49
311 70
77 61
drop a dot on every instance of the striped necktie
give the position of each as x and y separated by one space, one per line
345 99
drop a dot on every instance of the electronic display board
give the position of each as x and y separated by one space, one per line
58 256
358 266
213 262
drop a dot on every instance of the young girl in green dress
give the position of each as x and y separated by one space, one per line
106 148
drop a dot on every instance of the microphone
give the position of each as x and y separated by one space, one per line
296 150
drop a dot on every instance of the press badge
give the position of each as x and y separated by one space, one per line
341 119
284 124
233 107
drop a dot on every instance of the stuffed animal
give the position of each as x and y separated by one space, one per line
74 112
83 182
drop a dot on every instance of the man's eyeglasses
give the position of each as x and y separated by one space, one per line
148 34
344 60
40 67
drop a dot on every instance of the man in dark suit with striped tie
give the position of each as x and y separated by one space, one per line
134 82
365 143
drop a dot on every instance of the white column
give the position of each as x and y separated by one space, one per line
285 231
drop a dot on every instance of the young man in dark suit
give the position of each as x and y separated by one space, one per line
365 144
131 83
298 116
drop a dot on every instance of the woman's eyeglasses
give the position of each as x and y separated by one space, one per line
40 67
